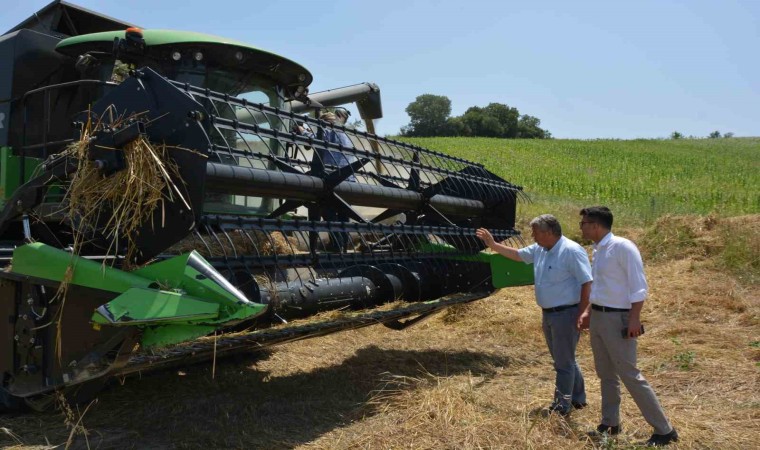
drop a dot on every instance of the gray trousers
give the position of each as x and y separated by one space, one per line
615 360
562 337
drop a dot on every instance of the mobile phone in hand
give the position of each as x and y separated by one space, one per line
625 331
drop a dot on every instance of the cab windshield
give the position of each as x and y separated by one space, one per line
252 87
242 148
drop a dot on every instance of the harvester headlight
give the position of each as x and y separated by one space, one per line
239 55
198 56
176 56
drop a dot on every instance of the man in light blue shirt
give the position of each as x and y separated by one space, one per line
562 275
334 159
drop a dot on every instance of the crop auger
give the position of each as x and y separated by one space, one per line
162 204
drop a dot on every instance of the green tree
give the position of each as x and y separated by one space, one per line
529 127
714 135
676 135
456 126
481 123
507 117
429 114
728 135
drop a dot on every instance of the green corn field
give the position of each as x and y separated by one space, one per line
646 178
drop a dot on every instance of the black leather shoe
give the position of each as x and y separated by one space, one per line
605 429
661 440
579 405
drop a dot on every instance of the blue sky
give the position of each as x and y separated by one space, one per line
587 69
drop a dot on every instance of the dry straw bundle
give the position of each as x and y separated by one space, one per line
118 205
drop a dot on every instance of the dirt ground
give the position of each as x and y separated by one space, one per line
471 377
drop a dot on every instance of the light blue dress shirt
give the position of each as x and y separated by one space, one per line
559 272
334 157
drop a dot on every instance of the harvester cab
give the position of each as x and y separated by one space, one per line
156 190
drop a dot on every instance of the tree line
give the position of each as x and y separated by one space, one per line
714 135
431 116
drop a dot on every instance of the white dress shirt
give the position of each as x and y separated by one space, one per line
618 273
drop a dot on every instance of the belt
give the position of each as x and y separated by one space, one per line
608 309
560 308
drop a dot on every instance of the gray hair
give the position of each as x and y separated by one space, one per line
547 222
328 117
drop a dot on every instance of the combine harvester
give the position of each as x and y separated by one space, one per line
159 207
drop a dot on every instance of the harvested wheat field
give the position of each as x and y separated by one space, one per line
471 377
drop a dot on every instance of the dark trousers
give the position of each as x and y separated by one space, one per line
562 338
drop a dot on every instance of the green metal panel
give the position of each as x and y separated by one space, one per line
158 37
175 273
155 38
173 334
42 261
140 306
9 172
504 271
507 273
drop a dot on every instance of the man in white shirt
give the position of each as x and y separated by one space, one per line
562 279
614 313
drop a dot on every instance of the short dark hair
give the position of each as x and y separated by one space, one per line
598 214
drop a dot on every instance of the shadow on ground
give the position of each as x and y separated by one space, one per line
242 407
